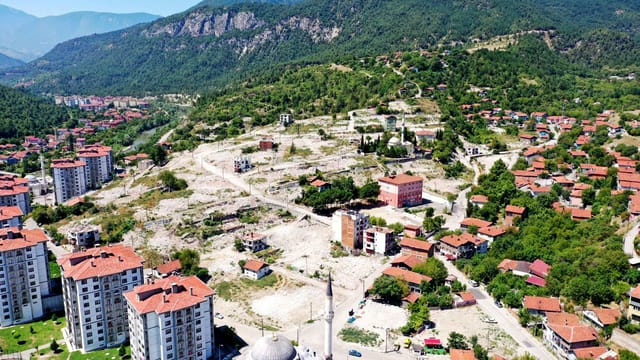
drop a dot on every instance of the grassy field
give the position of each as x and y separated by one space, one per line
63 354
27 336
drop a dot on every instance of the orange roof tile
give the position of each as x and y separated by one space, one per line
492 231
458 240
15 238
412 297
483 199
410 260
607 316
574 334
99 261
9 212
467 296
458 354
475 222
416 244
563 318
542 303
67 163
593 352
515 209
409 276
169 267
169 294
255 265
400 179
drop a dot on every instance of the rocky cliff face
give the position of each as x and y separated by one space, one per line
206 23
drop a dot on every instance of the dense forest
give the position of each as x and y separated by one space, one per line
165 57
23 114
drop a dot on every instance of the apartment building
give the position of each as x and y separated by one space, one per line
14 191
10 216
99 160
633 312
24 275
93 282
171 319
378 240
400 190
348 228
69 179
84 235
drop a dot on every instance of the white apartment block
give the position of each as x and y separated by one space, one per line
99 160
24 275
84 235
10 216
14 191
93 282
171 319
69 179
378 240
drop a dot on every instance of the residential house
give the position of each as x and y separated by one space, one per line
254 242
266 143
459 354
425 136
464 298
412 231
24 275
481 245
378 240
171 319
400 190
84 235
418 248
478 223
413 279
10 216
528 139
255 269
634 304
407 262
321 185
167 269
242 164
458 246
14 191
602 317
538 305
594 352
516 267
348 228
539 268
389 123
479 200
491 233
563 339
93 282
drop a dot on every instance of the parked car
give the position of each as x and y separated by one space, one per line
498 303
490 320
473 283
355 353
219 316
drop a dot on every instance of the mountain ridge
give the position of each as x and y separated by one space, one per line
208 46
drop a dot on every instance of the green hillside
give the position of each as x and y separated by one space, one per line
24 114
209 45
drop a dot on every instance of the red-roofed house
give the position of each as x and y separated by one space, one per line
103 273
539 268
602 317
538 305
511 212
464 298
400 190
563 339
23 252
407 262
633 312
594 352
10 216
458 354
516 267
459 246
255 269
321 185
479 200
168 268
413 279
491 233
479 223
412 231
165 314
418 248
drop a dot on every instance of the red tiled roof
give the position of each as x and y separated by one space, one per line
536 280
577 153
99 261
467 296
539 268
574 334
255 265
492 231
475 222
515 209
457 240
563 318
15 238
458 354
607 316
410 260
169 267
411 297
318 183
526 173
542 303
169 294
400 179
579 214
593 352
633 177
416 244
67 163
10 212
483 199
409 276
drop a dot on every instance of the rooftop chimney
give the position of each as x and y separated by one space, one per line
119 258
174 287
93 264
103 254
191 290
164 298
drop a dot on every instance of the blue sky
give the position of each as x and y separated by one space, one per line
56 7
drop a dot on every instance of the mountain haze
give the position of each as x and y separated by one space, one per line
210 45
27 37
8 62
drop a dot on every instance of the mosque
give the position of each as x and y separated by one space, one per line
278 347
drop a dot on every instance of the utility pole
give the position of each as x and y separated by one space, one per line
262 326
386 339
310 311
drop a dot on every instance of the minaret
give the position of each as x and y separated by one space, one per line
328 318
402 135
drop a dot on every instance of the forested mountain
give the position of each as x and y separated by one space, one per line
7 62
27 37
23 114
209 45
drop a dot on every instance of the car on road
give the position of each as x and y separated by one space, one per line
498 304
219 316
355 353
473 283
490 320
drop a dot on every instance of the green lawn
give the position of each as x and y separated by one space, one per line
21 337
63 354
